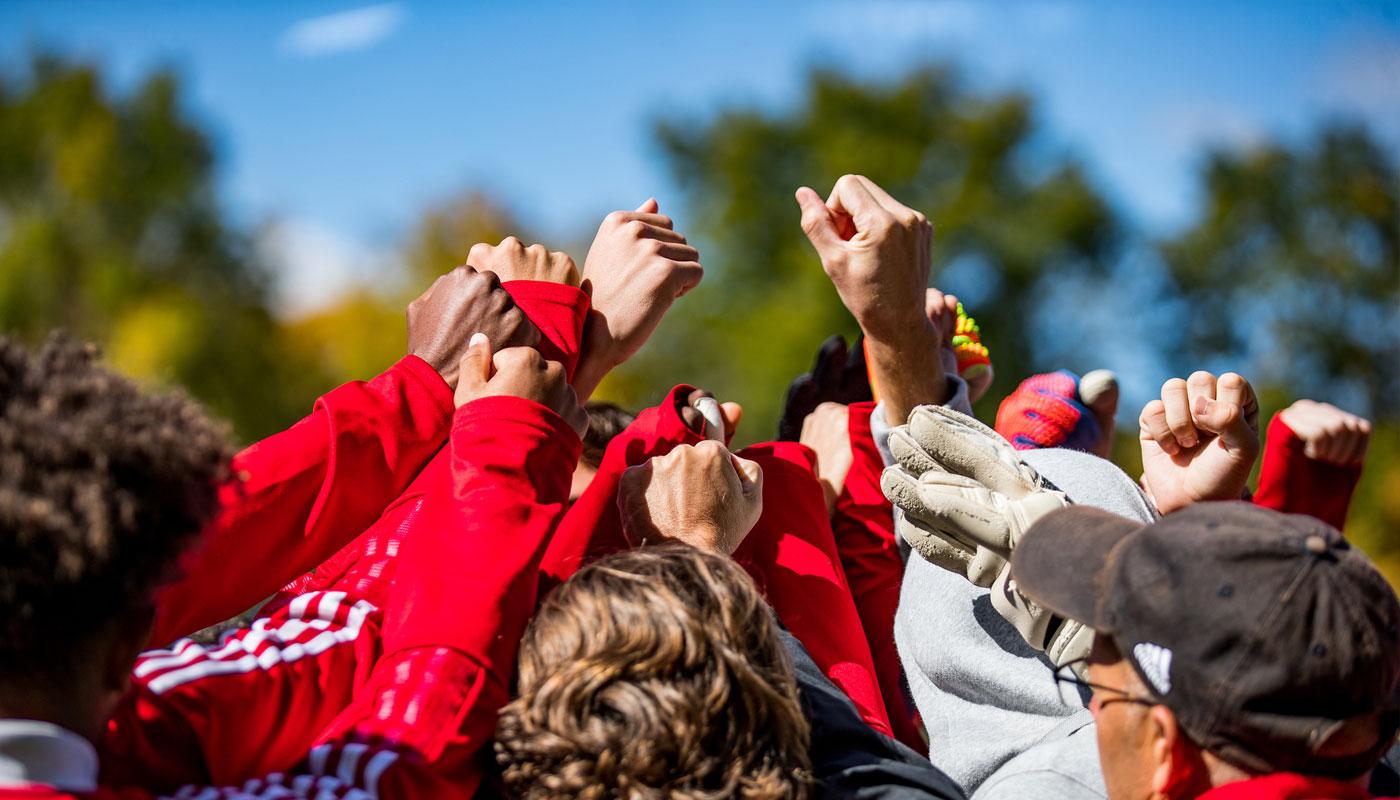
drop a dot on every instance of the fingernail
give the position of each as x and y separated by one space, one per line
477 338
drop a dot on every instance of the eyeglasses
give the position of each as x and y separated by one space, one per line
1075 690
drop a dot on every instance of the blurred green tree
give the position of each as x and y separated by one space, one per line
1290 273
364 331
109 228
1292 267
1008 213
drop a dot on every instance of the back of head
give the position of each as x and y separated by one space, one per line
655 673
101 487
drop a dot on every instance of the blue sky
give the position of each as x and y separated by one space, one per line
341 121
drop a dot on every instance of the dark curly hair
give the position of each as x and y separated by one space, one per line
101 487
655 673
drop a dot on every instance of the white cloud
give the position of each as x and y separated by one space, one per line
347 30
1186 127
314 265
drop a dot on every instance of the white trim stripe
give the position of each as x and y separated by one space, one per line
238 655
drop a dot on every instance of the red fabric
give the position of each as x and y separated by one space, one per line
791 554
304 492
592 527
1291 482
863 523
365 566
448 636
1287 786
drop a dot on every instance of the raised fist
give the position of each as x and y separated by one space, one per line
1328 433
702 495
1199 441
876 251
518 372
511 260
458 304
636 268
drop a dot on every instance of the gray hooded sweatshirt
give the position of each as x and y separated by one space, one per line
995 718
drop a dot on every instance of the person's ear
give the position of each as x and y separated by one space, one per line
1176 763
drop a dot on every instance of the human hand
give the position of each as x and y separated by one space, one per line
1199 441
710 418
458 303
511 260
1328 433
518 372
1059 409
876 251
827 432
702 495
636 268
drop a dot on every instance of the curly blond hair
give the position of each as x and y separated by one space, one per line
655 673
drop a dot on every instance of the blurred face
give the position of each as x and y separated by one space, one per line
1125 730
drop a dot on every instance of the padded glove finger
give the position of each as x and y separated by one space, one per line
910 454
967 510
962 445
933 546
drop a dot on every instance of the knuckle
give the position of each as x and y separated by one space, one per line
615 218
1200 377
636 228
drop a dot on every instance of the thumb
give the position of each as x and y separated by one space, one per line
476 364
649 207
1225 420
816 220
750 475
473 371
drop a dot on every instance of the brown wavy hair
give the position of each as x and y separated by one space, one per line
655 673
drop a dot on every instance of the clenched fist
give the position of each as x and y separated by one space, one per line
636 268
876 251
518 372
459 303
702 495
1200 440
1328 433
511 260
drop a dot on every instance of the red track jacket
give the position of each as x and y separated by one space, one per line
445 639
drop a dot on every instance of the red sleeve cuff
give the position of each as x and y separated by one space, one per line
424 376
559 312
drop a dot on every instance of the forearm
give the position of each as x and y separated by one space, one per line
908 370
1291 482
466 586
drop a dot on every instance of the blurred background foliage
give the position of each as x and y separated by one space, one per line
1289 273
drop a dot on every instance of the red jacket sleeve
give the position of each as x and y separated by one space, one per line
791 555
863 524
251 705
366 566
306 491
1291 482
466 586
593 526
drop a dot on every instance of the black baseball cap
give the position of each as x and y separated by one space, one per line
1264 633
